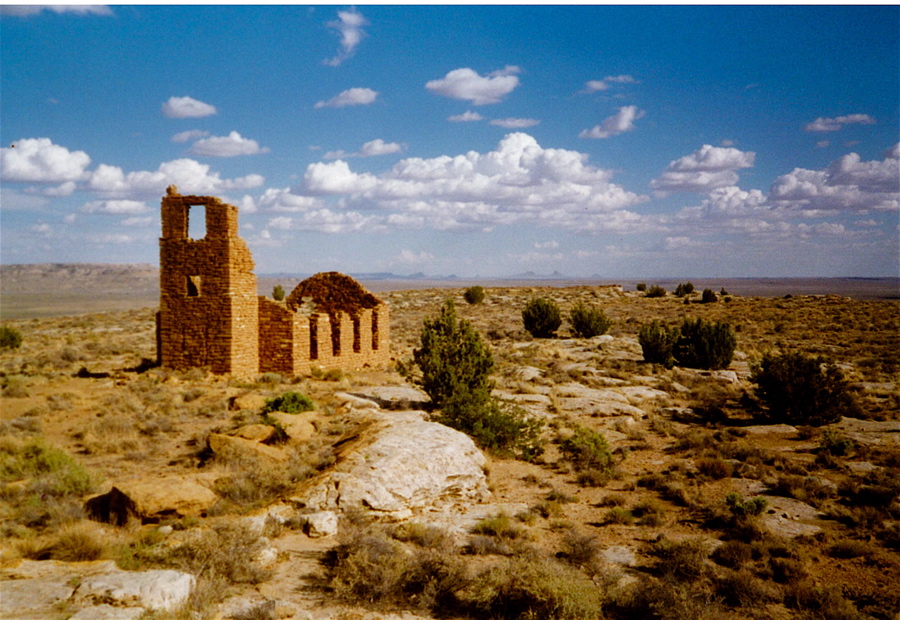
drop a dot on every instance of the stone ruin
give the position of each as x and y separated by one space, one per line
210 314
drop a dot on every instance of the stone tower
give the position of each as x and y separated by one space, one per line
208 308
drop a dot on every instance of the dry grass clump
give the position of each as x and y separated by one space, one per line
372 568
80 541
40 485
252 483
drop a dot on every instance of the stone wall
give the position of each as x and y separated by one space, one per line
297 342
211 316
208 308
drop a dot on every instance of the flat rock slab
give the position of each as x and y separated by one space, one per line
392 396
577 398
868 426
108 612
770 429
786 517
153 589
90 590
31 598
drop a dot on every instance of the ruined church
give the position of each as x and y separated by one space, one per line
211 315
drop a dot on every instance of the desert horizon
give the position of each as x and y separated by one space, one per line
37 290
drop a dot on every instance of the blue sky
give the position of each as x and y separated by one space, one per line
477 141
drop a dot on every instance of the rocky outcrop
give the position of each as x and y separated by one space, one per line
151 499
400 462
89 590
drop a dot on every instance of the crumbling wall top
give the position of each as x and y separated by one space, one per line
332 292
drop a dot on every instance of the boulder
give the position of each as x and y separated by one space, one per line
320 524
254 432
248 401
151 498
297 426
238 449
398 463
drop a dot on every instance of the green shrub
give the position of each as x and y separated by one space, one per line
797 389
278 293
656 291
657 342
587 449
741 508
588 321
709 297
704 345
289 402
455 366
10 337
454 362
49 469
541 317
684 289
500 427
474 295
641 287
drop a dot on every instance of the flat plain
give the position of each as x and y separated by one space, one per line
656 538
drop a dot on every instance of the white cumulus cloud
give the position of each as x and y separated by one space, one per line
27 10
115 207
620 122
189 175
38 160
231 145
705 169
592 86
834 124
468 85
349 25
373 148
515 123
187 136
186 107
517 182
848 184
352 96
466 117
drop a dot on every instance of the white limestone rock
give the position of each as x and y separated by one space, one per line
398 463
154 589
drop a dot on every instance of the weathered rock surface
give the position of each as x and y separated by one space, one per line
248 401
151 498
399 463
392 396
790 518
153 589
297 426
237 448
254 432
580 399
90 590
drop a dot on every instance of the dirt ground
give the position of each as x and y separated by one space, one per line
83 384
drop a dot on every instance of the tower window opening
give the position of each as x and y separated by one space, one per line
196 215
194 286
